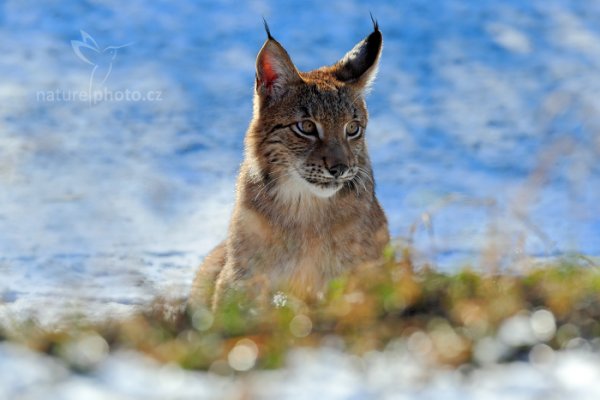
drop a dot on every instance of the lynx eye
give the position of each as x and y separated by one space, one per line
353 129
306 128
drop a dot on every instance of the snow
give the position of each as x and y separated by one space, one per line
484 133
394 374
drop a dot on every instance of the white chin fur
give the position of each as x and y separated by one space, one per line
298 188
323 192
319 191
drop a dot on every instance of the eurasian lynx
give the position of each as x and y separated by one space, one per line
305 209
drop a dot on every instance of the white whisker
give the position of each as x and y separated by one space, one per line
365 173
267 187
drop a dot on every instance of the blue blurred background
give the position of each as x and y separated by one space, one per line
484 129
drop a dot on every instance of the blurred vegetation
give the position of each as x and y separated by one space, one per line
460 318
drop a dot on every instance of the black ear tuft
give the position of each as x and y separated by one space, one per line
375 23
267 29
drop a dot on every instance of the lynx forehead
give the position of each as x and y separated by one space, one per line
306 209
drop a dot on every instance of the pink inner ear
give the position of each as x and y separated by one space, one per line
268 72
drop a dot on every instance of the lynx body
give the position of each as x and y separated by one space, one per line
305 209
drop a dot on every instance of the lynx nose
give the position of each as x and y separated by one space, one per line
337 170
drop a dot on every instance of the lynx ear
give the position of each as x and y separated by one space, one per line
359 65
274 69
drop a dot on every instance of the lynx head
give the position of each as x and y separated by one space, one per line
308 131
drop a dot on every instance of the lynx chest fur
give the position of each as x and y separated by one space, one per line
306 209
